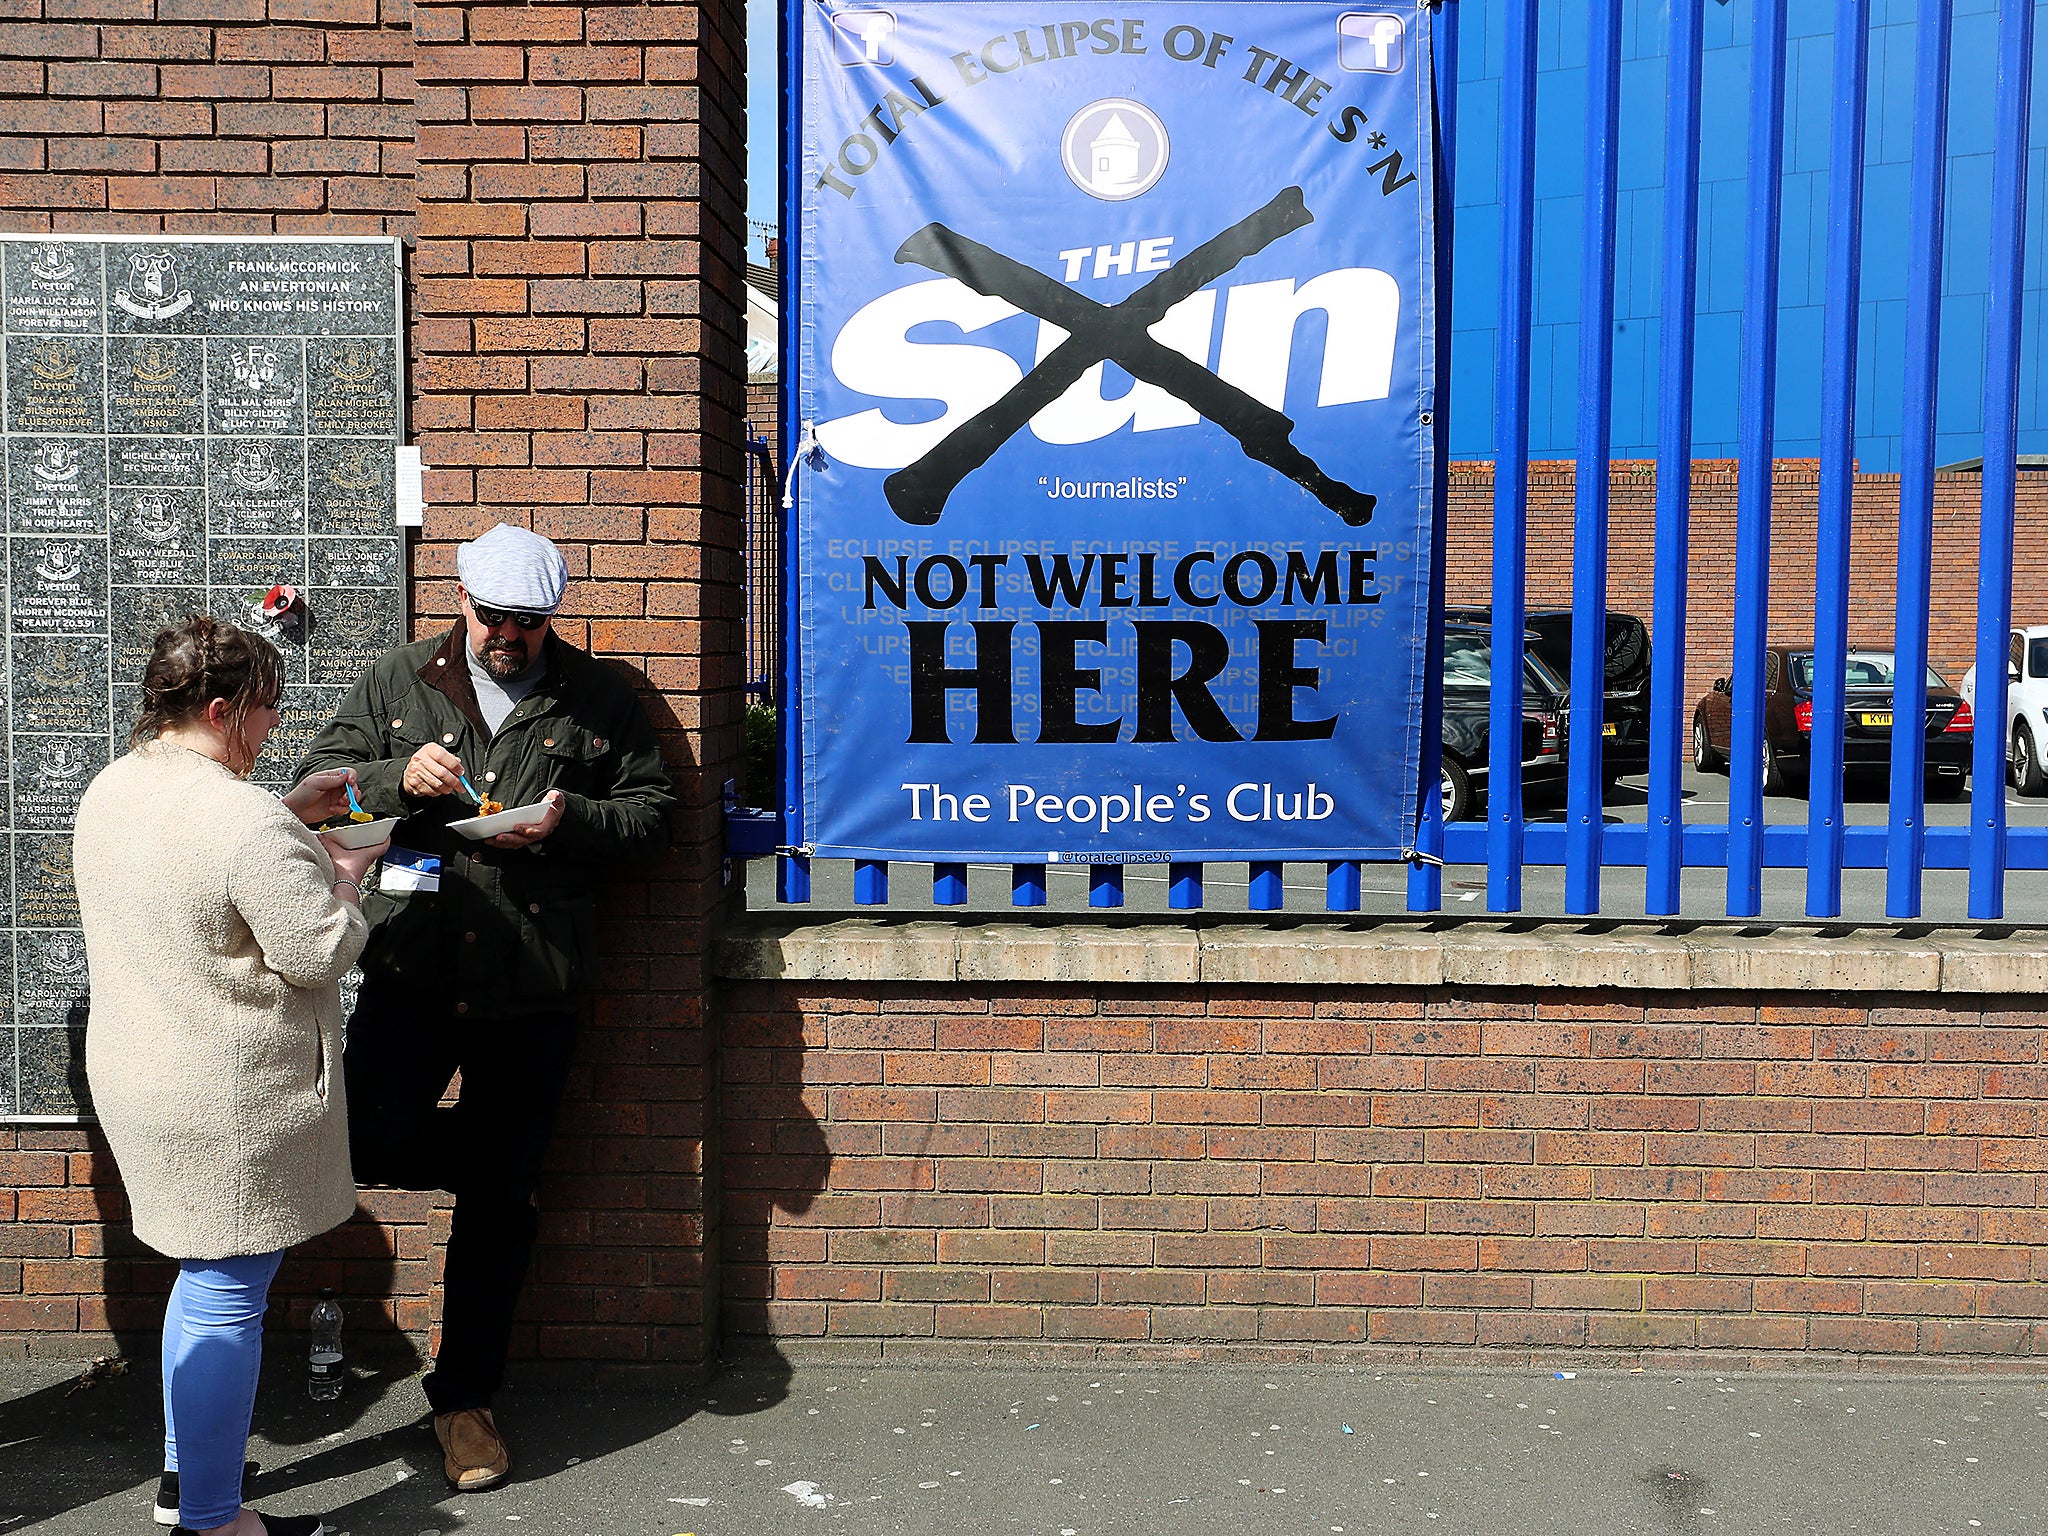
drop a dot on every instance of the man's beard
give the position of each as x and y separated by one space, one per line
505 658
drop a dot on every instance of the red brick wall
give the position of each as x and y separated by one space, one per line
576 367
1154 1171
1710 591
206 116
73 1280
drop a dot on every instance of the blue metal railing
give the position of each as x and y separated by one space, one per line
1663 846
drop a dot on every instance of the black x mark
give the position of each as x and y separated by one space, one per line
1095 332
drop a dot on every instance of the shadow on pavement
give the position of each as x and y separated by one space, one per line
99 1431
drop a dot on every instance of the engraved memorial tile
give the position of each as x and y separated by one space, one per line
59 686
149 288
44 896
300 715
158 537
156 461
124 705
50 979
140 614
52 286
281 289
9 1103
52 772
255 388
54 384
53 1069
255 485
56 485
352 387
59 586
350 630
245 569
363 562
156 385
351 486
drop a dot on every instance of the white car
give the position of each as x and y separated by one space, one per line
2026 708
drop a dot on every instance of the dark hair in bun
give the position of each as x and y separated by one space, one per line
202 660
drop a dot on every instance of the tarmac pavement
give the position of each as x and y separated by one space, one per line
1086 1449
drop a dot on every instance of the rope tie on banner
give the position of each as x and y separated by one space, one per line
806 451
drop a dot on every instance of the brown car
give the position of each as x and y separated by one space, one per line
1866 726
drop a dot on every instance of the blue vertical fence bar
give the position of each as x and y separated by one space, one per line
1906 829
1824 813
1425 872
1184 886
1268 887
1665 852
949 885
870 882
1027 885
1759 373
1585 817
1343 885
2001 448
792 871
1511 465
1105 885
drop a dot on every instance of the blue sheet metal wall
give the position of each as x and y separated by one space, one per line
1561 96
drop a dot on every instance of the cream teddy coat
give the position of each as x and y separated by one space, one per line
215 944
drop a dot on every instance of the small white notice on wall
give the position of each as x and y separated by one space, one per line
412 488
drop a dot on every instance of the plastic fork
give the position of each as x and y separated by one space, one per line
355 807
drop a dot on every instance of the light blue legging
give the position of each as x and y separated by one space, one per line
213 1349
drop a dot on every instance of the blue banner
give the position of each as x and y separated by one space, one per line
1114 385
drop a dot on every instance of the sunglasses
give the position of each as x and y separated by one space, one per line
491 618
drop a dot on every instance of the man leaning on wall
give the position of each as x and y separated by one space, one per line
482 953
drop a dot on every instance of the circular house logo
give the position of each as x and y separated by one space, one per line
1114 149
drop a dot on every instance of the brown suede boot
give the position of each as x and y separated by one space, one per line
473 1452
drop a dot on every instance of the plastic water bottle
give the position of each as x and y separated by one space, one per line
324 1371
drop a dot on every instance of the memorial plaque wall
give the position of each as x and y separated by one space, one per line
187 424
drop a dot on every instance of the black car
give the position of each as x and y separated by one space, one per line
1866 722
1468 679
1625 721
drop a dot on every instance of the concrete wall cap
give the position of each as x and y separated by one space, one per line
1368 952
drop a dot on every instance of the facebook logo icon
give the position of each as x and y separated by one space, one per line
1372 41
865 37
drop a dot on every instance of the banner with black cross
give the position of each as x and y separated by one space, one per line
1114 387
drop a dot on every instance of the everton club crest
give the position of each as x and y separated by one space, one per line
153 290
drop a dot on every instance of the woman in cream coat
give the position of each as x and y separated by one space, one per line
217 928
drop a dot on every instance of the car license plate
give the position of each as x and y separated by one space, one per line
1610 730
1883 717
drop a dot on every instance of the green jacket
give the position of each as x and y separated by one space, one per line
509 932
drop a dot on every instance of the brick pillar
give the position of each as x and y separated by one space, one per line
578 369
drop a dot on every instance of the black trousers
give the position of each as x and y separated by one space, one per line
486 1150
